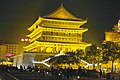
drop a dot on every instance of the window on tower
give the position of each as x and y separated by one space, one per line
69 34
36 26
51 33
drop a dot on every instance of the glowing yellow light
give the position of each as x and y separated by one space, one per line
115 63
26 39
22 39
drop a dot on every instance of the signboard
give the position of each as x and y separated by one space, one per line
9 55
119 26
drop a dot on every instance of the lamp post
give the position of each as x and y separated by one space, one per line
100 71
100 65
115 66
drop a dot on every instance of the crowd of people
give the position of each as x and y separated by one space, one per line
66 72
59 73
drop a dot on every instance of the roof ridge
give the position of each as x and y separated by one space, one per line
61 12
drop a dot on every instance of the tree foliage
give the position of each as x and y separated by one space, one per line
92 55
68 58
115 28
110 52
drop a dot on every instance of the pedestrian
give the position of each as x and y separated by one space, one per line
100 73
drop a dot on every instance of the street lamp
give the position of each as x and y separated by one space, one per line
47 73
78 77
98 48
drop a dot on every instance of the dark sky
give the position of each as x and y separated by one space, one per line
17 15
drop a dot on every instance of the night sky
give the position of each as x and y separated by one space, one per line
17 15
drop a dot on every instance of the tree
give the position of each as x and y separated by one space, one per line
93 56
68 58
115 28
110 52
79 54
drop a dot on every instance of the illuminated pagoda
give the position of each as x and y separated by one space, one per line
56 32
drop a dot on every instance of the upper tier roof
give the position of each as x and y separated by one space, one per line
61 13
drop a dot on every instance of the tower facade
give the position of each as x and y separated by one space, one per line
58 31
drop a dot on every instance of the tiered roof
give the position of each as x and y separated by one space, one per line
59 14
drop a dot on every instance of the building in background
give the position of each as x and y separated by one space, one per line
23 42
7 49
12 49
113 35
7 52
2 51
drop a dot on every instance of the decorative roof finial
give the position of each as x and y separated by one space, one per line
61 4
